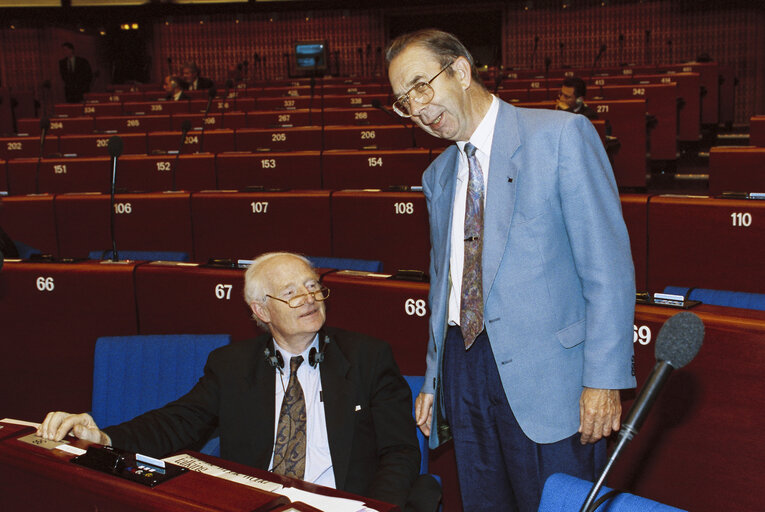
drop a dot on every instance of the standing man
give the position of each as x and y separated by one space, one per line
532 287
76 74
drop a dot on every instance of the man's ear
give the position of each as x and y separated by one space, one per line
462 69
261 312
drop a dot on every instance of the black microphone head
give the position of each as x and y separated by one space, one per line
115 146
44 123
376 103
680 339
212 92
536 39
186 126
169 60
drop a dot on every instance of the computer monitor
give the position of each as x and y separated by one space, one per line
310 57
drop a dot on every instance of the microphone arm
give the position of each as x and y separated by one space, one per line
44 127
185 127
210 95
115 150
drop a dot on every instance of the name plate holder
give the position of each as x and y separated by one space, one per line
666 300
134 467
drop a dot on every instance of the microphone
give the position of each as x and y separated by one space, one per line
115 150
376 104
185 127
169 65
534 53
211 92
597 58
229 85
44 127
679 341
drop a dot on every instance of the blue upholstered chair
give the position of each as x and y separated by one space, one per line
346 263
565 493
134 374
141 255
721 297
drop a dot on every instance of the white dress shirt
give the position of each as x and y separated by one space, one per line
318 460
482 138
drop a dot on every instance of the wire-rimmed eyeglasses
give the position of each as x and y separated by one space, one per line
298 300
421 92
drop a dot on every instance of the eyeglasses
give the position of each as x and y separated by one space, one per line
298 300
421 92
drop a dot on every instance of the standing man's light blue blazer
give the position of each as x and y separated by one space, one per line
558 279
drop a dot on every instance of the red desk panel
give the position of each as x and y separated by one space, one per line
661 102
231 105
31 220
280 139
635 212
736 170
26 147
53 313
706 243
354 100
283 118
88 109
288 90
294 169
230 120
709 78
156 107
388 226
3 177
346 89
114 97
58 126
97 145
154 173
374 168
361 117
689 89
757 131
698 449
243 225
391 310
185 298
133 124
61 175
144 222
369 137
211 141
289 102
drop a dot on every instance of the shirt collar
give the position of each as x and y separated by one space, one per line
286 356
482 135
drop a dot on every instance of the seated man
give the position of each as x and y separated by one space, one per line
192 80
172 86
571 98
320 404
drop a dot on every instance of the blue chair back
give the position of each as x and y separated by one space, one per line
721 297
346 264
565 493
415 385
135 374
141 255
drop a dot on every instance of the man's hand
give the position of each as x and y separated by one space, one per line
599 413
423 412
57 425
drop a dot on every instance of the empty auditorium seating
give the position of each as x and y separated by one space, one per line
197 140
279 139
133 124
283 118
369 137
757 131
156 107
58 125
30 220
707 243
360 116
734 169
228 120
159 222
88 109
689 90
152 173
353 100
242 225
51 315
97 145
26 147
293 169
60 175
387 226
289 102
373 168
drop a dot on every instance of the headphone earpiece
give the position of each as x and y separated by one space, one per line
315 357
579 101
274 358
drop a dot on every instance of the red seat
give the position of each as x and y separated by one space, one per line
734 169
230 120
114 96
242 104
360 117
287 90
88 109
757 131
399 316
279 139
354 100
294 169
374 168
135 123
283 118
55 312
155 107
31 220
212 141
26 147
288 102
369 137
60 175
347 89
97 145
58 125
388 226
689 89
143 222
242 225
144 173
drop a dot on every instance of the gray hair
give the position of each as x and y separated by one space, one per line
443 45
254 285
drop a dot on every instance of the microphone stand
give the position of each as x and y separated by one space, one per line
115 150
185 127
44 127
210 95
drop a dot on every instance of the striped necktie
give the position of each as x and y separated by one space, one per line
471 303
289 449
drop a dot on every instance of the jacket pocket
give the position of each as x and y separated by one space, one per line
572 335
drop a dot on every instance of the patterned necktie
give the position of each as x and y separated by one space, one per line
471 302
289 450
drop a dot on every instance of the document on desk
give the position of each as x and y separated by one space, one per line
322 502
200 466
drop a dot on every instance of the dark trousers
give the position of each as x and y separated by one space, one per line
499 468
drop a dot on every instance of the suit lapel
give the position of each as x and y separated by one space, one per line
444 202
258 410
500 199
338 393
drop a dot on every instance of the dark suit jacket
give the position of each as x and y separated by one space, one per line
76 83
202 84
374 449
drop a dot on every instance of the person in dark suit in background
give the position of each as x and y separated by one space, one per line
357 432
571 98
191 78
172 86
76 74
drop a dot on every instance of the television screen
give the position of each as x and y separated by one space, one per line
311 55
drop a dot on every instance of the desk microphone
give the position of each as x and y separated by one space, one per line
115 150
210 96
376 104
44 127
185 127
678 343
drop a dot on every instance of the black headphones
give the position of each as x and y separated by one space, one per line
315 357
